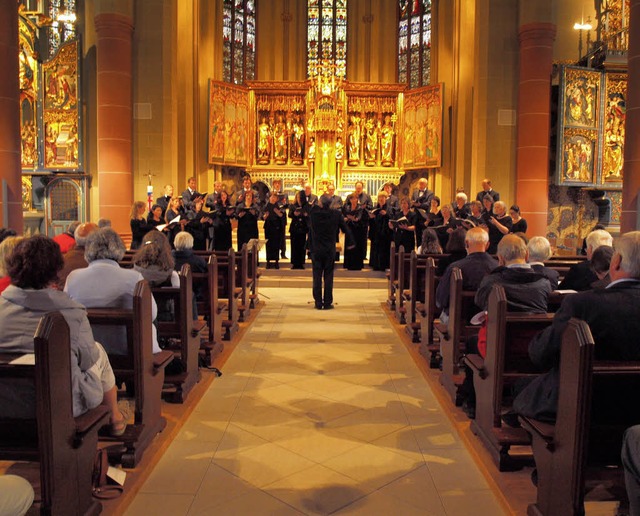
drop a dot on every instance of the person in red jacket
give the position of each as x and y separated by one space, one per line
66 240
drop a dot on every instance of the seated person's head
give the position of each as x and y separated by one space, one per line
601 260
6 232
456 240
512 249
625 262
476 240
325 201
35 262
154 252
104 244
104 223
183 241
83 231
597 238
539 249
430 242
6 248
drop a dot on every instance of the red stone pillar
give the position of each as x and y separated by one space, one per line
114 132
532 159
631 180
10 161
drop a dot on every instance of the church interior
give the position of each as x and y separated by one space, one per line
105 102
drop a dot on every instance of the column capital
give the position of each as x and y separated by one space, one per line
537 32
113 22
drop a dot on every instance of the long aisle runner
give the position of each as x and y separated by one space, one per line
318 412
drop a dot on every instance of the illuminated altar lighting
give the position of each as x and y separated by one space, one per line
582 27
66 18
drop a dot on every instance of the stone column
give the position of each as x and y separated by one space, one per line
10 159
114 131
532 159
631 181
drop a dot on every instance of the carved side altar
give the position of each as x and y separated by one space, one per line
326 130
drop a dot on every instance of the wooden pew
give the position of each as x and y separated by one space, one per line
595 406
403 266
141 369
392 275
243 282
211 307
254 273
415 294
185 330
426 314
228 291
453 335
64 446
507 360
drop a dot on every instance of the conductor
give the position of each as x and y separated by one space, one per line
325 223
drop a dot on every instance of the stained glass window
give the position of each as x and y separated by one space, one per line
327 35
414 42
239 41
63 26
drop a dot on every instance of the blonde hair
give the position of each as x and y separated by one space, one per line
6 248
134 210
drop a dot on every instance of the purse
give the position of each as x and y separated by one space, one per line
99 482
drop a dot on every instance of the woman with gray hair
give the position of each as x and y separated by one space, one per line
183 253
104 284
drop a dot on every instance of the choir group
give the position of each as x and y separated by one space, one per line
419 221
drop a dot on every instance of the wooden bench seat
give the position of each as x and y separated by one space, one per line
586 439
506 362
140 369
64 446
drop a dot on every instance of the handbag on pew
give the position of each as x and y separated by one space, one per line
102 489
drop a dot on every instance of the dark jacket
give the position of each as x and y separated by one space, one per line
324 227
474 268
579 277
552 274
492 193
526 290
613 315
196 262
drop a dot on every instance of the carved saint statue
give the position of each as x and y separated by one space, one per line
371 142
386 143
339 149
297 141
353 141
280 141
264 142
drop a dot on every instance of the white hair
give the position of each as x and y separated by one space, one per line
500 204
461 195
628 247
599 237
477 236
512 247
539 249
183 240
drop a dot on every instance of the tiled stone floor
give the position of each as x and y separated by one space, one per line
318 412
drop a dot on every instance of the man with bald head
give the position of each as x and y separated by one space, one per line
487 189
74 259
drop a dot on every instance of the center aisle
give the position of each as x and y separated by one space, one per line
318 412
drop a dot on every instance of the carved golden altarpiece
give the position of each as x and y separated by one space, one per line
325 130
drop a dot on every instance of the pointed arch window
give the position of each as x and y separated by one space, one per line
63 27
327 35
239 41
414 42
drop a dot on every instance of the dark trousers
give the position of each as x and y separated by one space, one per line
323 264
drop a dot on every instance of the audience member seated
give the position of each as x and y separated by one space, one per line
6 248
156 264
104 223
74 259
526 291
183 253
631 465
456 249
600 263
104 284
33 267
581 275
430 243
66 240
16 495
475 266
539 252
613 315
